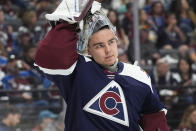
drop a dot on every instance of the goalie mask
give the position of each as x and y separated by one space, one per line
92 24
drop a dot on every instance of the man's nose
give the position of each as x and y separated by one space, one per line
107 48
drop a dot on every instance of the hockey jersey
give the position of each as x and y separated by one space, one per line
96 101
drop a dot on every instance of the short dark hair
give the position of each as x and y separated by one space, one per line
10 109
129 5
98 27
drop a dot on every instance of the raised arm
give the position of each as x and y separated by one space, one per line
58 49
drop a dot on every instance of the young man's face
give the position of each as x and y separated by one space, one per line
15 119
103 47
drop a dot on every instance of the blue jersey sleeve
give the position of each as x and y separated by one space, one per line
57 57
64 79
152 102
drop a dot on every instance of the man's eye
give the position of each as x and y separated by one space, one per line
99 46
111 42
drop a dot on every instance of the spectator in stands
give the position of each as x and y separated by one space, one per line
6 36
184 51
29 54
3 52
147 5
192 52
143 20
10 118
171 34
43 6
157 15
20 76
6 33
3 63
2 19
16 78
46 122
188 122
127 22
161 74
147 47
9 9
29 20
122 43
186 76
24 40
185 16
21 3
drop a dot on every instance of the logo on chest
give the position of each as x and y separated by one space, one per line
110 104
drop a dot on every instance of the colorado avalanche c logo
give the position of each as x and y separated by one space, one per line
110 104
109 96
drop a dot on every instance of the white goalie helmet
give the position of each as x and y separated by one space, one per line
92 24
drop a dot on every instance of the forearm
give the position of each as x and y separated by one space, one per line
182 36
154 121
58 49
192 16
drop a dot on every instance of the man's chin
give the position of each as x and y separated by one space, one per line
107 64
110 63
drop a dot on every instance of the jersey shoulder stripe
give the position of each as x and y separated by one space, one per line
137 73
57 71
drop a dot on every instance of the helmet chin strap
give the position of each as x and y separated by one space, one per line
112 68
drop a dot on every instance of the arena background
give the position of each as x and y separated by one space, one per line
165 44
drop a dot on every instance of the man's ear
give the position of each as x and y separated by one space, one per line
89 52
88 47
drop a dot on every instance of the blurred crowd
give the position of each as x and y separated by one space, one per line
167 37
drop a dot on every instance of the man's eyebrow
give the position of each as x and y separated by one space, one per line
112 39
97 43
102 42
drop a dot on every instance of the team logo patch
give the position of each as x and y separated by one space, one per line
110 104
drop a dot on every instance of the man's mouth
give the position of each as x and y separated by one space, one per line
109 57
